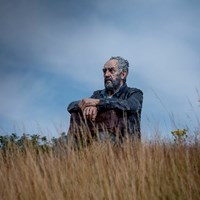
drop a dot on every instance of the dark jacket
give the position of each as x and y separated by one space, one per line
126 102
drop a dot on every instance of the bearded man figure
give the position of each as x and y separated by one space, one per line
113 113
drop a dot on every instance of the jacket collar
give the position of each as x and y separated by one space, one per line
116 94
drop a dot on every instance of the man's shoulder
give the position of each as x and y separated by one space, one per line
97 93
133 90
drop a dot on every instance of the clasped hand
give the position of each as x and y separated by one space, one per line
89 108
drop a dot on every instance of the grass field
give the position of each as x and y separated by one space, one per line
135 170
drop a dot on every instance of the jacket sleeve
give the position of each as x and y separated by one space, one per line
73 107
132 104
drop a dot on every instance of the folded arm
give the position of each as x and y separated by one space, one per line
90 106
132 103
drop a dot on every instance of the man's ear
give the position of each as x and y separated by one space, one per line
123 75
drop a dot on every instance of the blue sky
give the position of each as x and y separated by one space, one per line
52 52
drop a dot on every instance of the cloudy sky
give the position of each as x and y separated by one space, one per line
52 52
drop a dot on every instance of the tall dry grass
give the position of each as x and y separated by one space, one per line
134 170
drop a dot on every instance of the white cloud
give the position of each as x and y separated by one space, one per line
24 106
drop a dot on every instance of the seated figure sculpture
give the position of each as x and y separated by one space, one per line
113 113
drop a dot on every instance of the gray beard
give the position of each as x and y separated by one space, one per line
113 85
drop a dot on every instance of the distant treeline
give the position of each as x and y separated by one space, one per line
26 140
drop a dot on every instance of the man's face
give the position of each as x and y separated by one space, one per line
112 79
